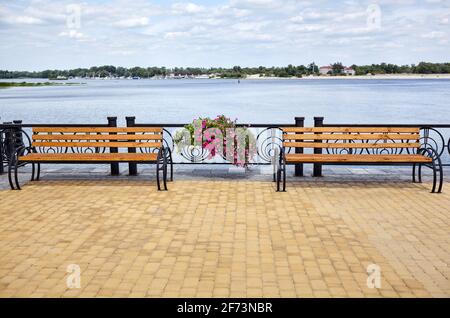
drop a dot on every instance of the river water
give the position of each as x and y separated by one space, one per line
250 101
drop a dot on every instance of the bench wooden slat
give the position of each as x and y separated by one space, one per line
358 145
114 157
351 129
97 129
98 137
351 136
327 158
117 144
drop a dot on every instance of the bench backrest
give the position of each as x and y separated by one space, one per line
95 139
353 139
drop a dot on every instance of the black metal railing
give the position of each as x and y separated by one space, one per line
268 138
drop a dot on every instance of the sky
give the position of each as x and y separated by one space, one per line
44 34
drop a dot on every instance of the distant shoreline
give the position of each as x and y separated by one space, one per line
4 85
256 77
359 77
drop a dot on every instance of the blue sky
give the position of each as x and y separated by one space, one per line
41 34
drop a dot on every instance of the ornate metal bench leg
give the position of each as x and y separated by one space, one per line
278 179
419 173
433 189
38 174
441 174
284 176
16 177
161 166
165 176
436 166
33 170
441 180
10 167
157 176
170 162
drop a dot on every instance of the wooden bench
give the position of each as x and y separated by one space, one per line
93 145
358 146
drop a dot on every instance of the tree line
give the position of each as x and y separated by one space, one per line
421 68
234 72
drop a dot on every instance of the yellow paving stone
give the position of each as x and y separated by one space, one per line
224 239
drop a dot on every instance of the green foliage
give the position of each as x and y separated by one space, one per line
25 84
338 68
234 72
221 121
421 68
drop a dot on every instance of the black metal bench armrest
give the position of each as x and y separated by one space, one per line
23 151
430 151
436 166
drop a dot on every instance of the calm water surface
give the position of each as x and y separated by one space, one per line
251 101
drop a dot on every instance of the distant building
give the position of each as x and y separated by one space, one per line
324 70
203 76
349 71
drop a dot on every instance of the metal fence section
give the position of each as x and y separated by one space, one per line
267 137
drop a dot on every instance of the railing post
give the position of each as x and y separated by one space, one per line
18 136
299 122
8 141
2 154
132 167
13 139
318 122
112 122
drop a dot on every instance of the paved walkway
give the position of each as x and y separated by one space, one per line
234 237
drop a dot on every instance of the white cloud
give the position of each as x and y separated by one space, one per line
73 34
256 3
54 13
132 22
307 28
189 8
23 19
434 35
122 52
251 36
175 35
297 19
249 26
236 30
228 11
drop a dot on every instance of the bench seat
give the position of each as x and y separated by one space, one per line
90 157
332 158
